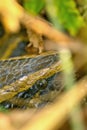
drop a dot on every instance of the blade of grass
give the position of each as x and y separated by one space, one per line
69 78
52 14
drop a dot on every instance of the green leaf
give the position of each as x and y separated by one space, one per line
34 6
2 109
67 14
52 14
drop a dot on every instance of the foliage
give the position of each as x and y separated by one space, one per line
34 6
68 15
2 109
63 14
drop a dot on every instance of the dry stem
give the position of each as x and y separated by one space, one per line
42 27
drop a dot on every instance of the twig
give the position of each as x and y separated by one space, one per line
42 27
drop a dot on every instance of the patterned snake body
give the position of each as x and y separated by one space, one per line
24 77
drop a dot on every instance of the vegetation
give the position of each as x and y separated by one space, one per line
37 77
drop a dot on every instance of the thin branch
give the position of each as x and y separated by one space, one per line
42 27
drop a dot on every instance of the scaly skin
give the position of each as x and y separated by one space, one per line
21 74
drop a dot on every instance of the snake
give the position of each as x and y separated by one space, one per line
25 79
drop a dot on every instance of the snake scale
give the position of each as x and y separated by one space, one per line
23 78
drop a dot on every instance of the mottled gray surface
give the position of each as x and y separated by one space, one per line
11 70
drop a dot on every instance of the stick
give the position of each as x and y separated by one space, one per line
42 27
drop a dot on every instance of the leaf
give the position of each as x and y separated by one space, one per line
2 109
67 14
52 14
34 6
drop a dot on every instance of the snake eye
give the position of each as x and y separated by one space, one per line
41 84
